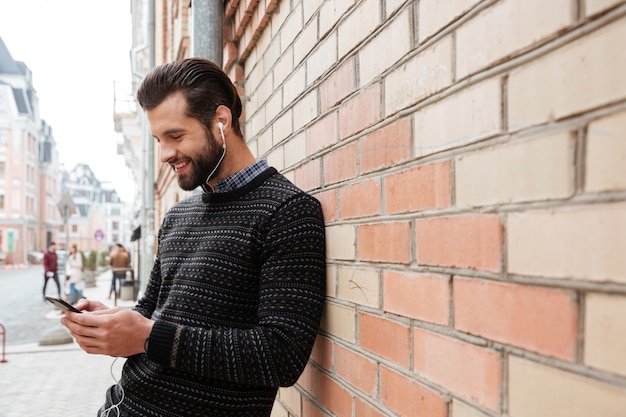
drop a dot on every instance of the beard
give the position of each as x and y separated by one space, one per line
201 165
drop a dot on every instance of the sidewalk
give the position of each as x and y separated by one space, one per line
60 379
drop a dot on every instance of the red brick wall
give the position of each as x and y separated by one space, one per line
470 160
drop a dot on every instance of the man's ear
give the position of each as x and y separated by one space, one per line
224 116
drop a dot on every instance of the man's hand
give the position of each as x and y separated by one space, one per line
49 274
114 332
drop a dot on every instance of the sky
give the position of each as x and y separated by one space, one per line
77 51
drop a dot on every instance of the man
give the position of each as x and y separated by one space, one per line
235 296
50 265
119 261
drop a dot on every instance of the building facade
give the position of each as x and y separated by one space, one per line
469 157
29 167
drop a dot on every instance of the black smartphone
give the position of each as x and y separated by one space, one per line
63 305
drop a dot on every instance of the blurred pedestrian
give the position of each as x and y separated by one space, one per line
75 274
50 264
120 262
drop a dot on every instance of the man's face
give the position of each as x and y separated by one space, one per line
185 144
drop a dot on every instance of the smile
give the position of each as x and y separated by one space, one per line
180 165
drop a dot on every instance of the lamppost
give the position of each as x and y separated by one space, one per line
67 207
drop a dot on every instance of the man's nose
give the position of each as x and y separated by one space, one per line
166 153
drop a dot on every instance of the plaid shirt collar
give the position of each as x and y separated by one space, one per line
241 178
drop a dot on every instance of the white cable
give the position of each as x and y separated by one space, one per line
115 407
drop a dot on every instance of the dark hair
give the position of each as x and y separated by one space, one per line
203 83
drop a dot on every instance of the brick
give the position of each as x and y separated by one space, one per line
276 158
305 110
465 117
360 286
331 281
462 242
445 361
581 75
605 330
518 26
328 199
357 370
323 57
278 410
283 67
357 26
305 43
418 296
331 12
295 150
385 147
308 175
434 15
308 381
426 187
385 338
339 84
363 409
384 242
321 134
460 409
360 112
353 205
339 321
291 399
539 319
341 242
335 397
310 410
420 77
323 352
283 126
535 169
378 54
341 164
583 243
537 390
291 28
293 86
408 398
596 6
605 169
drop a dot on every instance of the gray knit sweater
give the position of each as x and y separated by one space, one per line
237 291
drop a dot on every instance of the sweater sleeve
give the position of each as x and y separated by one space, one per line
291 296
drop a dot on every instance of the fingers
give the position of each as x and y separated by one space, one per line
90 305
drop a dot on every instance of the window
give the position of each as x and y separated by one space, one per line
115 225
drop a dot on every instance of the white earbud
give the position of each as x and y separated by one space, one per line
221 127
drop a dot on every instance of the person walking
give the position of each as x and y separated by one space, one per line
120 262
50 265
236 292
75 274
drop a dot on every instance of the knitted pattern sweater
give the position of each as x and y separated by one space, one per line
236 292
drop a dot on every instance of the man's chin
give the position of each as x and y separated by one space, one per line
186 184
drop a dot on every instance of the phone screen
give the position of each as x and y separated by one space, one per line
63 305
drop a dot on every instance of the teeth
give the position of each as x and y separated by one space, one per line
179 165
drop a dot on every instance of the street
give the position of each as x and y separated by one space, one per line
39 381
22 308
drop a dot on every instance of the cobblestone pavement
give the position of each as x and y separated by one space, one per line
58 380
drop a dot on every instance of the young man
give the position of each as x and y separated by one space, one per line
235 295
50 265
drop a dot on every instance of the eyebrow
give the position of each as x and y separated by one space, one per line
171 131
